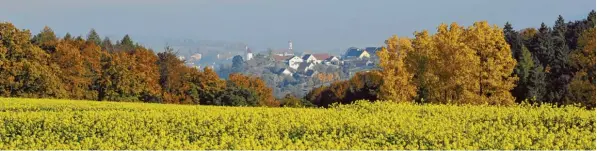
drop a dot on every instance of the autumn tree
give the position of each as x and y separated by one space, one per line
207 87
455 66
25 69
582 86
146 73
420 61
398 85
172 72
72 70
496 63
94 62
256 84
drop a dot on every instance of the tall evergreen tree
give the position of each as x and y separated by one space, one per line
46 40
541 45
67 36
92 36
238 64
523 70
126 43
536 84
523 59
559 72
107 45
514 39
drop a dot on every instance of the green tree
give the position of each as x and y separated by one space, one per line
290 100
93 37
524 62
67 36
559 69
235 95
46 40
107 45
238 64
536 83
126 44
541 45
523 71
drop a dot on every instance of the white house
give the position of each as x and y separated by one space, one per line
294 62
356 53
332 60
309 58
320 57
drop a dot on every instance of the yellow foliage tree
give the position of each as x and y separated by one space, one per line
494 72
397 85
456 65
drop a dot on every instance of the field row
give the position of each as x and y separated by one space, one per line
69 124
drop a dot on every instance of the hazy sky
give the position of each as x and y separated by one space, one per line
317 25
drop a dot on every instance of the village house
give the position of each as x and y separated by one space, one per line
309 58
356 53
294 62
315 58
320 57
372 51
333 60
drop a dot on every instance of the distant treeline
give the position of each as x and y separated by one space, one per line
480 64
45 66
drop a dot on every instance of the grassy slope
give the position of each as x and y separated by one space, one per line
69 124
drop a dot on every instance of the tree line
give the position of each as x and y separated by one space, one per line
46 66
480 64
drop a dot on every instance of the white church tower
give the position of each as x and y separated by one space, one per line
290 45
249 53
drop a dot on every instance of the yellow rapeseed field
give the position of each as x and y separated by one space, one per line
71 124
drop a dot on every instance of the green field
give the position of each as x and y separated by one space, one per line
70 124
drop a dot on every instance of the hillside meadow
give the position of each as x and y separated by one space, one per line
75 125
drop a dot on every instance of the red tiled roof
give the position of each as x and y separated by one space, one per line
321 56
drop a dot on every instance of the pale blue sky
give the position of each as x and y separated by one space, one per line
317 25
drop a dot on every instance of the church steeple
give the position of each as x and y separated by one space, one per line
249 54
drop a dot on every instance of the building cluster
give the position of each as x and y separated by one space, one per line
353 59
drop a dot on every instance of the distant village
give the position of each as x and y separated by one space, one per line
292 72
